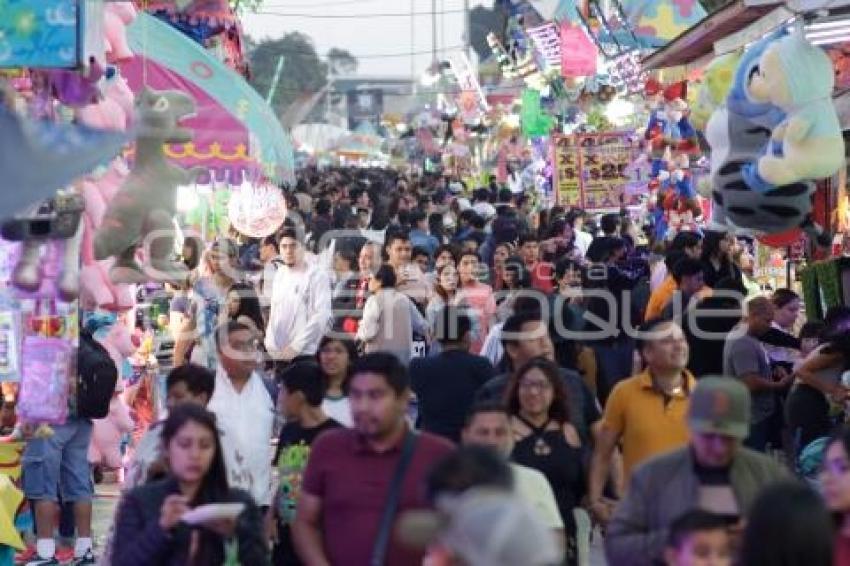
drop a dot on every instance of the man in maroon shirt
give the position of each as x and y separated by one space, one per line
349 472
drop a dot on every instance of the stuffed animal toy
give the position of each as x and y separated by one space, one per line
683 183
797 77
54 220
74 88
113 112
143 210
738 133
105 446
679 134
713 89
116 17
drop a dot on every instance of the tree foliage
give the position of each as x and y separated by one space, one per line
341 62
304 71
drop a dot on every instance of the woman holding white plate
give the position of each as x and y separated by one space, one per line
191 516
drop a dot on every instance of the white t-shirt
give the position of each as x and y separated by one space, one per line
300 309
534 488
339 409
582 241
485 210
492 348
245 421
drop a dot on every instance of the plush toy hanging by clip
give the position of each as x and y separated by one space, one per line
798 78
142 211
738 133
55 219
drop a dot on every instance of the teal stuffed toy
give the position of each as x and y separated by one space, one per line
798 77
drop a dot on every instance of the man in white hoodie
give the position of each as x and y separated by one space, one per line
301 303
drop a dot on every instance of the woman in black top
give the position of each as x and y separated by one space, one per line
717 258
243 305
149 527
819 382
545 440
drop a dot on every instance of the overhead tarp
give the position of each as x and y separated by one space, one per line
318 137
237 135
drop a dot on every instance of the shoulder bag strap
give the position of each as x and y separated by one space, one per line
379 551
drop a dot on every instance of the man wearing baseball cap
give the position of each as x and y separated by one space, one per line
714 473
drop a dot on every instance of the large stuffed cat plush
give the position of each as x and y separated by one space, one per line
738 133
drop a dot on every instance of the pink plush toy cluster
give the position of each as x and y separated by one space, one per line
117 16
105 446
113 112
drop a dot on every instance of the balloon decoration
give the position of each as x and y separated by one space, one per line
257 211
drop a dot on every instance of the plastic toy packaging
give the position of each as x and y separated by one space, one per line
45 375
10 338
9 346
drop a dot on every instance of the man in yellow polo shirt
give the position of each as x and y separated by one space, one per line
646 413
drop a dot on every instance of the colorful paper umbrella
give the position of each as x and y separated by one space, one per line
237 135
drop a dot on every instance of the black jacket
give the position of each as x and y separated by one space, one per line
139 540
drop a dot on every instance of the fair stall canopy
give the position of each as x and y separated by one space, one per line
739 23
237 135
317 138
362 142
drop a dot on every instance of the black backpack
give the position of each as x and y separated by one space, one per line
96 378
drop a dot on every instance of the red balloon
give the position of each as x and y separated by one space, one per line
782 239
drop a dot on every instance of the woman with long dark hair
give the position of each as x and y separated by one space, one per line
336 357
717 258
835 487
243 305
788 525
501 253
150 526
516 280
819 381
546 440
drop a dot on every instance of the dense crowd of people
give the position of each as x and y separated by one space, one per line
410 372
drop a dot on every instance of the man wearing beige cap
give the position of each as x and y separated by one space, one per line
714 472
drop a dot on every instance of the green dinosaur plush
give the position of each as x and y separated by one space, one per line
142 212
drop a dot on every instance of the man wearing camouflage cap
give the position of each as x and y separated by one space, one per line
714 472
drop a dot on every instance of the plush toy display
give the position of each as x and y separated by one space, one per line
113 112
738 133
57 219
142 212
116 17
797 77
75 89
105 447
711 92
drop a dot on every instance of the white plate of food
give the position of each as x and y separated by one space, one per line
212 512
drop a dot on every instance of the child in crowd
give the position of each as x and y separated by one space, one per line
699 538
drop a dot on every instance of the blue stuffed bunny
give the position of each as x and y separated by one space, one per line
739 133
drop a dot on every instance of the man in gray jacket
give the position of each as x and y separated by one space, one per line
714 472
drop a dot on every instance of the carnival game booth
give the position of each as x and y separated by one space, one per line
777 155
101 128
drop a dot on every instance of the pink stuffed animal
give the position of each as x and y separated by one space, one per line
105 446
114 112
117 16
